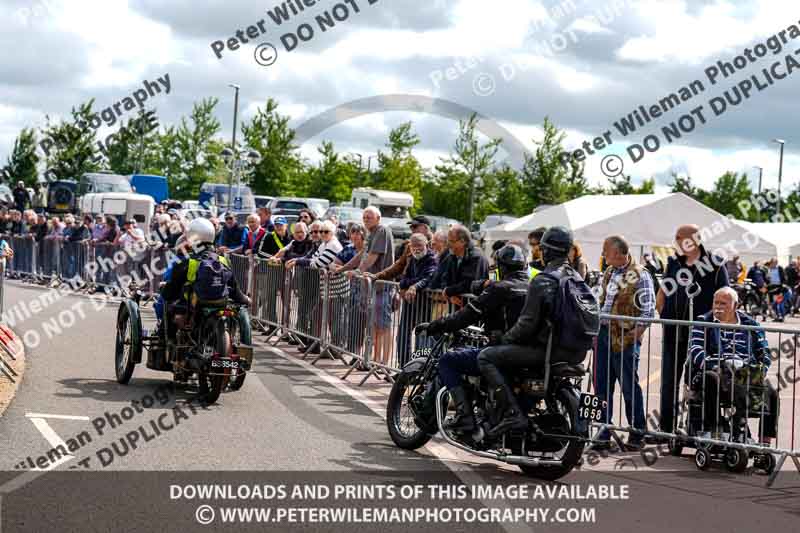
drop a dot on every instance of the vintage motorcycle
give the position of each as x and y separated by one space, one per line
215 344
549 449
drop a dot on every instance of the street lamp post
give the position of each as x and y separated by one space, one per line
233 141
780 173
240 162
760 175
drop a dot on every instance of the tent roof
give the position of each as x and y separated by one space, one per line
784 234
582 211
646 220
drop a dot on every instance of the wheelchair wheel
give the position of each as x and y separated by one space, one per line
765 462
702 459
737 460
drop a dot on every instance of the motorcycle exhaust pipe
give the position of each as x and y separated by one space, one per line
516 460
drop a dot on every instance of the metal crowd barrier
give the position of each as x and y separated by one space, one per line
708 408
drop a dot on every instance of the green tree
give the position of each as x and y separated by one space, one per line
545 179
132 147
333 177
398 169
199 152
728 191
467 176
622 185
281 169
72 149
509 198
22 162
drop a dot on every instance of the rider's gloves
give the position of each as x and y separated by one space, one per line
435 328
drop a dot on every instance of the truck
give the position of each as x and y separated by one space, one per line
215 195
151 185
393 205
122 205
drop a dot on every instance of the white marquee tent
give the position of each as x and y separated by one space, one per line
785 236
647 221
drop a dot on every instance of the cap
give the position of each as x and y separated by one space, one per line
420 219
280 220
172 211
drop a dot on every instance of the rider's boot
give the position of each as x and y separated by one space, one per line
464 421
513 417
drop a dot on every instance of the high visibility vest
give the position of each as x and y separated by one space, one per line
533 272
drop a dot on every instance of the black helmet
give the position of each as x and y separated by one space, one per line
558 240
510 258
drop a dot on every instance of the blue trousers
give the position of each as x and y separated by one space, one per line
457 363
623 367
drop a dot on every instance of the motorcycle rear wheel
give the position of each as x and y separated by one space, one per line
399 414
245 336
218 339
568 404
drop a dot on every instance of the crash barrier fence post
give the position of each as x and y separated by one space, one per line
708 395
5 367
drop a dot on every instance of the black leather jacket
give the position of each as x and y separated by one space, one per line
532 328
498 306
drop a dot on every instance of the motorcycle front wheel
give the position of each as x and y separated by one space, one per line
400 419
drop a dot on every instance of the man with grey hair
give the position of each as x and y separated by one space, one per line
731 363
420 266
627 290
467 264
378 254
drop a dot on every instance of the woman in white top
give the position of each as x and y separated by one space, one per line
326 254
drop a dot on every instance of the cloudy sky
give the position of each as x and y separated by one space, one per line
429 61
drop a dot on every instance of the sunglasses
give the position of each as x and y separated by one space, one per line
326 232
315 231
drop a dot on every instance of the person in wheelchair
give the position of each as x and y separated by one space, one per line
730 367
204 278
498 307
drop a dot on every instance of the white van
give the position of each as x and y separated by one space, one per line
123 205
394 207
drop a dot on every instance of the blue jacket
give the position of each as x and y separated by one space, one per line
418 270
705 343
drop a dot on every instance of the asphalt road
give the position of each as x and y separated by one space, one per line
289 423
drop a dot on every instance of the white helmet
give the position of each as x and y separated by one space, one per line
201 230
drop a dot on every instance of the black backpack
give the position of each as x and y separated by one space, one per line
576 314
212 278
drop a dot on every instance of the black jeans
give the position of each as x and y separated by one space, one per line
673 358
506 356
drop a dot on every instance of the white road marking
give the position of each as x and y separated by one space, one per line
444 453
62 417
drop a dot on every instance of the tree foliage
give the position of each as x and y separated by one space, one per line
22 162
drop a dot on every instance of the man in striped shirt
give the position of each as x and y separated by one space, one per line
745 355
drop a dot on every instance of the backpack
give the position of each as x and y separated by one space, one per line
576 314
211 278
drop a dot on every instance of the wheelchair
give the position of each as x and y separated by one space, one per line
738 384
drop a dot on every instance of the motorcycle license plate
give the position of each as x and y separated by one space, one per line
591 407
225 363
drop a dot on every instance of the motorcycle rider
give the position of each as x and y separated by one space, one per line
498 306
181 284
525 344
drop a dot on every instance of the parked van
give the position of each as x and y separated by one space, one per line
216 194
394 207
124 206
